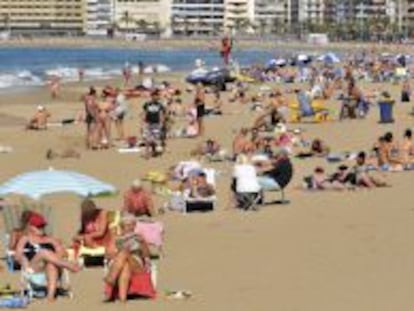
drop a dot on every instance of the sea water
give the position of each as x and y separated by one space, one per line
32 67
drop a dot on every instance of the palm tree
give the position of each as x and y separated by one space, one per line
216 29
173 24
156 27
262 27
275 27
6 21
142 25
127 19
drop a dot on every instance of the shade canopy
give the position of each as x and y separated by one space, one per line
39 183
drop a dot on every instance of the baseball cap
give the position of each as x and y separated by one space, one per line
37 220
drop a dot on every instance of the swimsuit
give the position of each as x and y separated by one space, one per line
32 249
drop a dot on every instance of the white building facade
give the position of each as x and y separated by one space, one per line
142 15
190 17
99 16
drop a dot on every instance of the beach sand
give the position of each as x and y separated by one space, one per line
323 251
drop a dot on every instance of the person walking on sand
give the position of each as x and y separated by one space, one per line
104 123
119 112
200 102
127 73
91 116
54 87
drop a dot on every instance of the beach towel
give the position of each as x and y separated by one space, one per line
152 232
129 150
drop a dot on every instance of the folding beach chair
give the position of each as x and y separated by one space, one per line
34 285
95 256
202 204
11 220
248 201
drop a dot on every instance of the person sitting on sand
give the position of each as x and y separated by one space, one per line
210 149
406 148
317 148
38 252
362 177
388 156
199 187
138 201
128 253
215 109
320 181
272 115
39 120
65 154
241 142
94 231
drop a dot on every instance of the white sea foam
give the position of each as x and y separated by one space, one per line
23 78
26 78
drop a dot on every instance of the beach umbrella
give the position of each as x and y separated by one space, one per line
39 183
329 58
276 62
301 59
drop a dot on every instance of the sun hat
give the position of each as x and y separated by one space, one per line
40 108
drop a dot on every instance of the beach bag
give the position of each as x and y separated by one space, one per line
152 232
140 285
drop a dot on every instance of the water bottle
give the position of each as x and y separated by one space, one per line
154 274
14 303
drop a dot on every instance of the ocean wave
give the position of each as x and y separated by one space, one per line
26 78
23 78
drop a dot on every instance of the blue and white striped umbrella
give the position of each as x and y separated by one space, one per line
39 183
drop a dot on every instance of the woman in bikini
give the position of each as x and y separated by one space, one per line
37 252
406 148
91 114
94 231
105 108
200 102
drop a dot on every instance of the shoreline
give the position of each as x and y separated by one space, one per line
193 43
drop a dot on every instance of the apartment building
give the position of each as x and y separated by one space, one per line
272 15
197 16
43 16
98 15
142 15
239 14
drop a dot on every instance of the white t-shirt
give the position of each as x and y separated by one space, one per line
246 178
